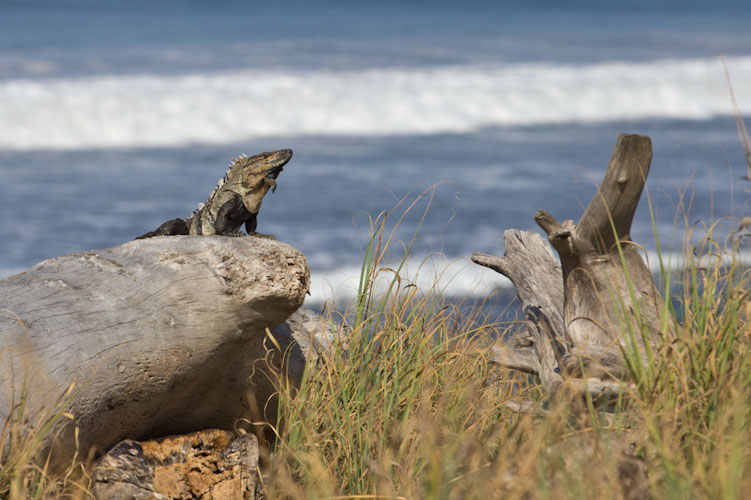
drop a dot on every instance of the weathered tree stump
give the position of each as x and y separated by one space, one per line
162 336
608 304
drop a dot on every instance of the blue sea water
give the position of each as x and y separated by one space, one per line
116 116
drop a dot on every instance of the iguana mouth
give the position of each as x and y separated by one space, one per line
278 160
274 172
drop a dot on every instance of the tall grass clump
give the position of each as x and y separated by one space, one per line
25 468
697 410
405 404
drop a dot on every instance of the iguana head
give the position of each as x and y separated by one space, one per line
252 177
267 165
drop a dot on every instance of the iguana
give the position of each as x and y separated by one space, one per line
235 200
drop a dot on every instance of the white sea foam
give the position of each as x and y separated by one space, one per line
460 278
451 277
146 110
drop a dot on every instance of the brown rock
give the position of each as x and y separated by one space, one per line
124 473
205 465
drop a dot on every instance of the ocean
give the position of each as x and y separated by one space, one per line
116 116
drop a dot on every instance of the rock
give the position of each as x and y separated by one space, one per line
205 465
124 473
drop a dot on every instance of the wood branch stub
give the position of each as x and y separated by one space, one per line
619 193
524 406
610 297
601 391
532 267
523 359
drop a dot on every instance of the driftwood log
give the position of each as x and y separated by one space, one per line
600 302
162 336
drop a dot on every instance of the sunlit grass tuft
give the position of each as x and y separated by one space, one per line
25 468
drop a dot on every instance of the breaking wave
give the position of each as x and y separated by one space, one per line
451 277
460 278
224 107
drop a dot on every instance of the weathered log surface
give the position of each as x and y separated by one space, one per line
162 336
531 266
523 359
312 334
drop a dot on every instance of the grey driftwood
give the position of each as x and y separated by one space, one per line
600 301
161 336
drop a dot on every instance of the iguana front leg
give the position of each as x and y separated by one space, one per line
251 224
231 217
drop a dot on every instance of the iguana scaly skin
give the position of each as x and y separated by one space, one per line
236 199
